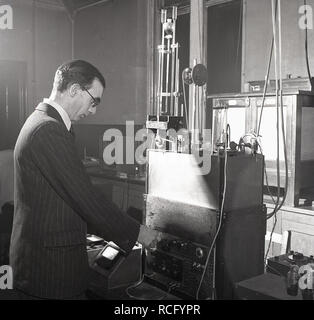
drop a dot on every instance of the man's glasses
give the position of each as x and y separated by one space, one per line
96 101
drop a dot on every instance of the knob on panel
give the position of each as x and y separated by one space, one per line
199 252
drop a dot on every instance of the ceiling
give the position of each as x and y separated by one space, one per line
69 5
73 5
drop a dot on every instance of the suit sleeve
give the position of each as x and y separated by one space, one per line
54 153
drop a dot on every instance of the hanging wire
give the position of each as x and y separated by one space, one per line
279 205
282 114
306 44
221 214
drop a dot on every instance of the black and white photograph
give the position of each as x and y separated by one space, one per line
156 154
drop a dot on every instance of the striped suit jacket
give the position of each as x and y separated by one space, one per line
54 201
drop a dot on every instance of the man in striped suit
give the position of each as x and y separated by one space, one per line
54 198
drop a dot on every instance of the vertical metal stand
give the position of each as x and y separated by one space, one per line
168 67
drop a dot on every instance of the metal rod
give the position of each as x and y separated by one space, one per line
34 57
175 74
172 78
279 45
174 57
167 74
199 109
159 82
204 108
161 61
192 113
193 107
177 82
163 16
162 66
174 13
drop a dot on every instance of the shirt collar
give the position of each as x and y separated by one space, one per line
61 111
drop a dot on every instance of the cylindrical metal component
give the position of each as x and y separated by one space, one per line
168 80
174 13
177 82
172 83
174 51
162 68
167 76
159 83
163 16
193 112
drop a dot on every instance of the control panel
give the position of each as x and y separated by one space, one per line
177 265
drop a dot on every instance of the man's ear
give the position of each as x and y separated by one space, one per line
73 90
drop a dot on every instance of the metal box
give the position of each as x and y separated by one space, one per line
184 205
241 112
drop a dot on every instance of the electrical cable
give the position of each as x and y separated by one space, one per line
306 45
277 100
270 238
282 124
279 205
274 225
281 102
265 172
274 14
135 285
266 78
265 87
282 118
219 225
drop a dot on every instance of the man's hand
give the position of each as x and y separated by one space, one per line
148 237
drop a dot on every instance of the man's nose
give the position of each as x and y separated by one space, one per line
92 110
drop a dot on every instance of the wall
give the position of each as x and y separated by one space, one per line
113 36
52 46
258 35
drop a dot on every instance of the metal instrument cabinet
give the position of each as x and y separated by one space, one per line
241 112
185 202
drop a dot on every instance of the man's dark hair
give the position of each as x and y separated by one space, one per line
78 71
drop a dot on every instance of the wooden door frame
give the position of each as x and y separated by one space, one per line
19 68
